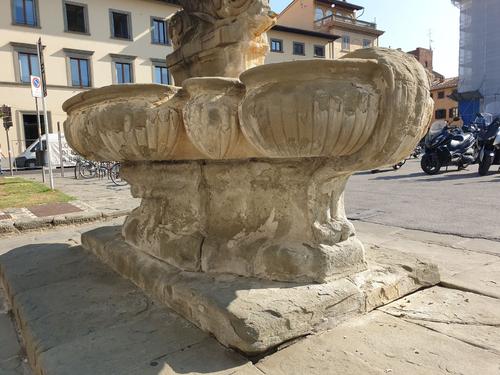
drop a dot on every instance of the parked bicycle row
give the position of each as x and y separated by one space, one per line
87 169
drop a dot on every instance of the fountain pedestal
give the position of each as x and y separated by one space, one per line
242 228
274 219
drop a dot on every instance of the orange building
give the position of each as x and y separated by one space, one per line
444 107
441 88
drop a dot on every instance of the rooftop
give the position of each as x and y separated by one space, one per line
305 32
340 3
447 83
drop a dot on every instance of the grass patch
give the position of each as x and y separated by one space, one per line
18 192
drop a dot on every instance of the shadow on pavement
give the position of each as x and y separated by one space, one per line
81 314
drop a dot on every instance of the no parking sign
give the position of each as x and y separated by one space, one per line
36 87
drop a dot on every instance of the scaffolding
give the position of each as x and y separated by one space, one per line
479 66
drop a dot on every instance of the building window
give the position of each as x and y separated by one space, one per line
80 72
440 114
367 43
159 31
440 94
123 72
318 14
432 95
25 12
453 113
120 24
319 51
75 18
161 75
276 45
28 65
299 48
346 43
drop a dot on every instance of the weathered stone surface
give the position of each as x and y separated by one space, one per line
380 344
468 317
347 114
483 279
11 353
128 122
254 315
218 38
82 318
280 220
211 117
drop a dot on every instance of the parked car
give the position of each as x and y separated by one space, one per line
28 158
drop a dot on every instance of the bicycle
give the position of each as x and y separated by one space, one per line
88 169
115 175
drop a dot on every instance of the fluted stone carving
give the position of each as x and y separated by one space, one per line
218 38
247 176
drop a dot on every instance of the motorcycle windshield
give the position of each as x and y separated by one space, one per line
483 120
435 129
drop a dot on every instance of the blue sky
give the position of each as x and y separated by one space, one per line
407 23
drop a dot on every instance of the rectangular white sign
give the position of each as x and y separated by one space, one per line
36 87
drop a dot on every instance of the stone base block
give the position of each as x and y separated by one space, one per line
253 315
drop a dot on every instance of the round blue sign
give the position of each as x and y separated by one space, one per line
36 82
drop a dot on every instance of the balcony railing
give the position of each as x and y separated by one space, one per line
328 20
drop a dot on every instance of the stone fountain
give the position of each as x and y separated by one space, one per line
242 170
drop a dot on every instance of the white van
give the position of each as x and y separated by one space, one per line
28 158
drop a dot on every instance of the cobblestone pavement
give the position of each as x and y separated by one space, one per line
96 194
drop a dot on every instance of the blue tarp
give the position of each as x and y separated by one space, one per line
468 110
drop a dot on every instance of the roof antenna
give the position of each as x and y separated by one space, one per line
430 39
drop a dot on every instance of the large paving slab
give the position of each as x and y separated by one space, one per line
468 317
377 344
484 279
441 248
77 316
12 359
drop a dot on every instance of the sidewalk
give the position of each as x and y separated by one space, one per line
96 199
84 319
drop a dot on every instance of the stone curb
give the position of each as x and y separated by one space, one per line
9 228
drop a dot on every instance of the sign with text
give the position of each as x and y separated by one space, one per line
36 87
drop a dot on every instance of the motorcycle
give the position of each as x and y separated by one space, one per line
445 146
489 141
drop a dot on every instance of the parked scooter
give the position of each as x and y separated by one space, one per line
489 141
445 146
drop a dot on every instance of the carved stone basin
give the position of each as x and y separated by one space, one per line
247 177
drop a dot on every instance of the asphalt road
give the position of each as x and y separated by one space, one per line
454 202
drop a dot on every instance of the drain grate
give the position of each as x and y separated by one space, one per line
52 209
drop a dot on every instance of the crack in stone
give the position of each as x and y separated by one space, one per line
405 314
461 288
444 334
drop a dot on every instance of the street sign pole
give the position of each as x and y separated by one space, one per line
7 124
61 156
44 108
9 150
39 134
